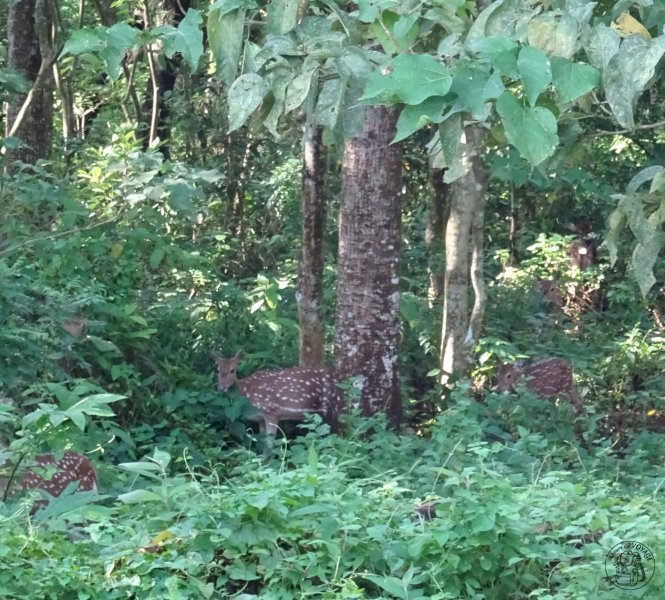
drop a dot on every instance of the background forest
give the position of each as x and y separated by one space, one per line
418 194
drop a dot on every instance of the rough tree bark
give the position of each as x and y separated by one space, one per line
434 233
367 324
29 49
464 259
310 276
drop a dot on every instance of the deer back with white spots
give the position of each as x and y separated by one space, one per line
51 475
58 474
282 394
549 377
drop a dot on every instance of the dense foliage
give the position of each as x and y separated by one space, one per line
122 270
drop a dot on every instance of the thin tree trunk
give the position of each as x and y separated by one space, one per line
458 334
434 233
156 110
367 323
30 116
310 279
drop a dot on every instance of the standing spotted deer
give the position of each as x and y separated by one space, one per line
282 394
549 377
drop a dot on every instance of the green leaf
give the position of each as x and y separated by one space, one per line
411 78
225 36
554 33
139 497
535 72
628 73
187 39
223 7
603 44
82 41
244 97
383 31
573 80
533 131
329 103
450 135
119 38
300 86
506 63
282 16
475 86
157 256
417 116
181 196
392 585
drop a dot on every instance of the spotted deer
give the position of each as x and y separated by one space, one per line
549 377
52 473
282 394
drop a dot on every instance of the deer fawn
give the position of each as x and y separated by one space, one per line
57 474
548 377
283 394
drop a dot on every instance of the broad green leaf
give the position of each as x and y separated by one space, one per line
628 73
139 497
447 15
96 404
368 11
642 177
119 38
161 458
573 80
506 63
181 196
450 135
157 256
644 258
223 7
533 131
603 44
103 345
329 103
225 36
244 97
187 39
535 72
383 31
82 41
478 31
392 585
405 30
411 78
475 86
417 116
282 16
490 48
555 34
300 86
278 80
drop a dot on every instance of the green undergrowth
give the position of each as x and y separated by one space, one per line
330 517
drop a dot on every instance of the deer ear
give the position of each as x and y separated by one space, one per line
216 357
239 354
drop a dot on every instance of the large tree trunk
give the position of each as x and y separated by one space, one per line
310 278
367 327
30 116
460 330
